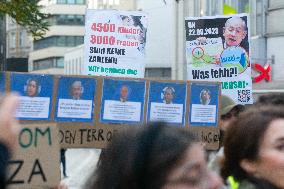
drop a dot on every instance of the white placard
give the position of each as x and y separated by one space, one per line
122 111
69 108
203 113
172 113
115 43
33 107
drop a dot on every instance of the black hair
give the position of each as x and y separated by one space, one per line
140 158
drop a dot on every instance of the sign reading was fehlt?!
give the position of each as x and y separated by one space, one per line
217 49
115 43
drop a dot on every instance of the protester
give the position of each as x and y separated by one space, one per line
229 112
154 156
271 98
9 130
63 161
253 148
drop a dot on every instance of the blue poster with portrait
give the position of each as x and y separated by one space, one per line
122 101
75 99
2 82
204 104
35 95
167 103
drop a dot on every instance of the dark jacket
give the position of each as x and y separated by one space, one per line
4 157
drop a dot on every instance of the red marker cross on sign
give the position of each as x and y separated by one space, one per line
264 72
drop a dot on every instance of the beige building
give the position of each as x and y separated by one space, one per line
18 40
66 31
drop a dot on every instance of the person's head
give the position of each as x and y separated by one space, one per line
235 31
253 147
32 87
124 93
154 157
272 98
76 90
205 96
229 111
168 95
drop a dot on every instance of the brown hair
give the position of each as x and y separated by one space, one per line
244 136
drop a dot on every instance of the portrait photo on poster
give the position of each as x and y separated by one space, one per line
75 99
36 94
122 101
204 99
167 103
139 25
212 40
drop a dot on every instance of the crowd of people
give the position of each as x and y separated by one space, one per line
251 154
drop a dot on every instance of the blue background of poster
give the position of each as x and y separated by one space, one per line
195 89
111 91
64 87
155 90
2 81
19 81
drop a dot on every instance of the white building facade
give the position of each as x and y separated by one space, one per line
66 31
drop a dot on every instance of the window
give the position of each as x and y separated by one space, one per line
67 20
81 2
61 1
70 1
78 2
59 62
54 62
22 39
13 40
58 41
160 73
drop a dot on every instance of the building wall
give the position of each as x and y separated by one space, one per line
161 33
275 48
56 51
275 37
73 61
18 40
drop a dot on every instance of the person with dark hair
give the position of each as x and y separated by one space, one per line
153 157
229 112
253 148
272 98
32 87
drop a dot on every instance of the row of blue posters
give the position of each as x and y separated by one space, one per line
122 101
